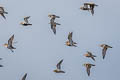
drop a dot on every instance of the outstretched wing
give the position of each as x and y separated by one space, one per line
2 14
93 58
24 77
104 52
26 19
1 9
88 71
59 64
10 41
70 36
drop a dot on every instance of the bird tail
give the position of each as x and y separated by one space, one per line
57 16
58 24
6 12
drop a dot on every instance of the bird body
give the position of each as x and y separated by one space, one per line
58 70
105 47
53 25
26 23
90 55
70 42
9 45
88 67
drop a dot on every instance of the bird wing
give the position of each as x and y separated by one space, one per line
2 14
1 9
93 58
70 36
54 30
59 64
10 41
52 26
26 19
92 11
24 77
88 71
104 52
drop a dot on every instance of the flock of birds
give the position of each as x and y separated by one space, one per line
87 7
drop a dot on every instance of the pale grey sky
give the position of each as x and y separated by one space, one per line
39 50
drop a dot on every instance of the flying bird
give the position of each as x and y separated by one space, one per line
88 67
2 12
91 6
26 23
53 25
90 55
9 45
58 70
70 42
105 47
53 16
24 77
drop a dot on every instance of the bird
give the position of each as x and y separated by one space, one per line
90 55
91 6
58 70
88 67
26 23
9 45
105 47
53 16
70 42
24 77
53 25
2 12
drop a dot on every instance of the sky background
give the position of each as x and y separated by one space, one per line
39 50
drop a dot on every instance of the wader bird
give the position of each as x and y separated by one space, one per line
26 23
105 47
90 55
24 77
2 12
88 67
91 6
9 45
58 70
70 41
53 25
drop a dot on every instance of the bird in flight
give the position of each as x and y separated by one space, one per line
2 12
70 42
53 25
89 6
105 47
9 45
26 23
90 55
88 67
24 77
58 70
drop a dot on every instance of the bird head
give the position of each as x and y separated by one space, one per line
81 8
55 70
86 54
67 43
5 45
22 23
